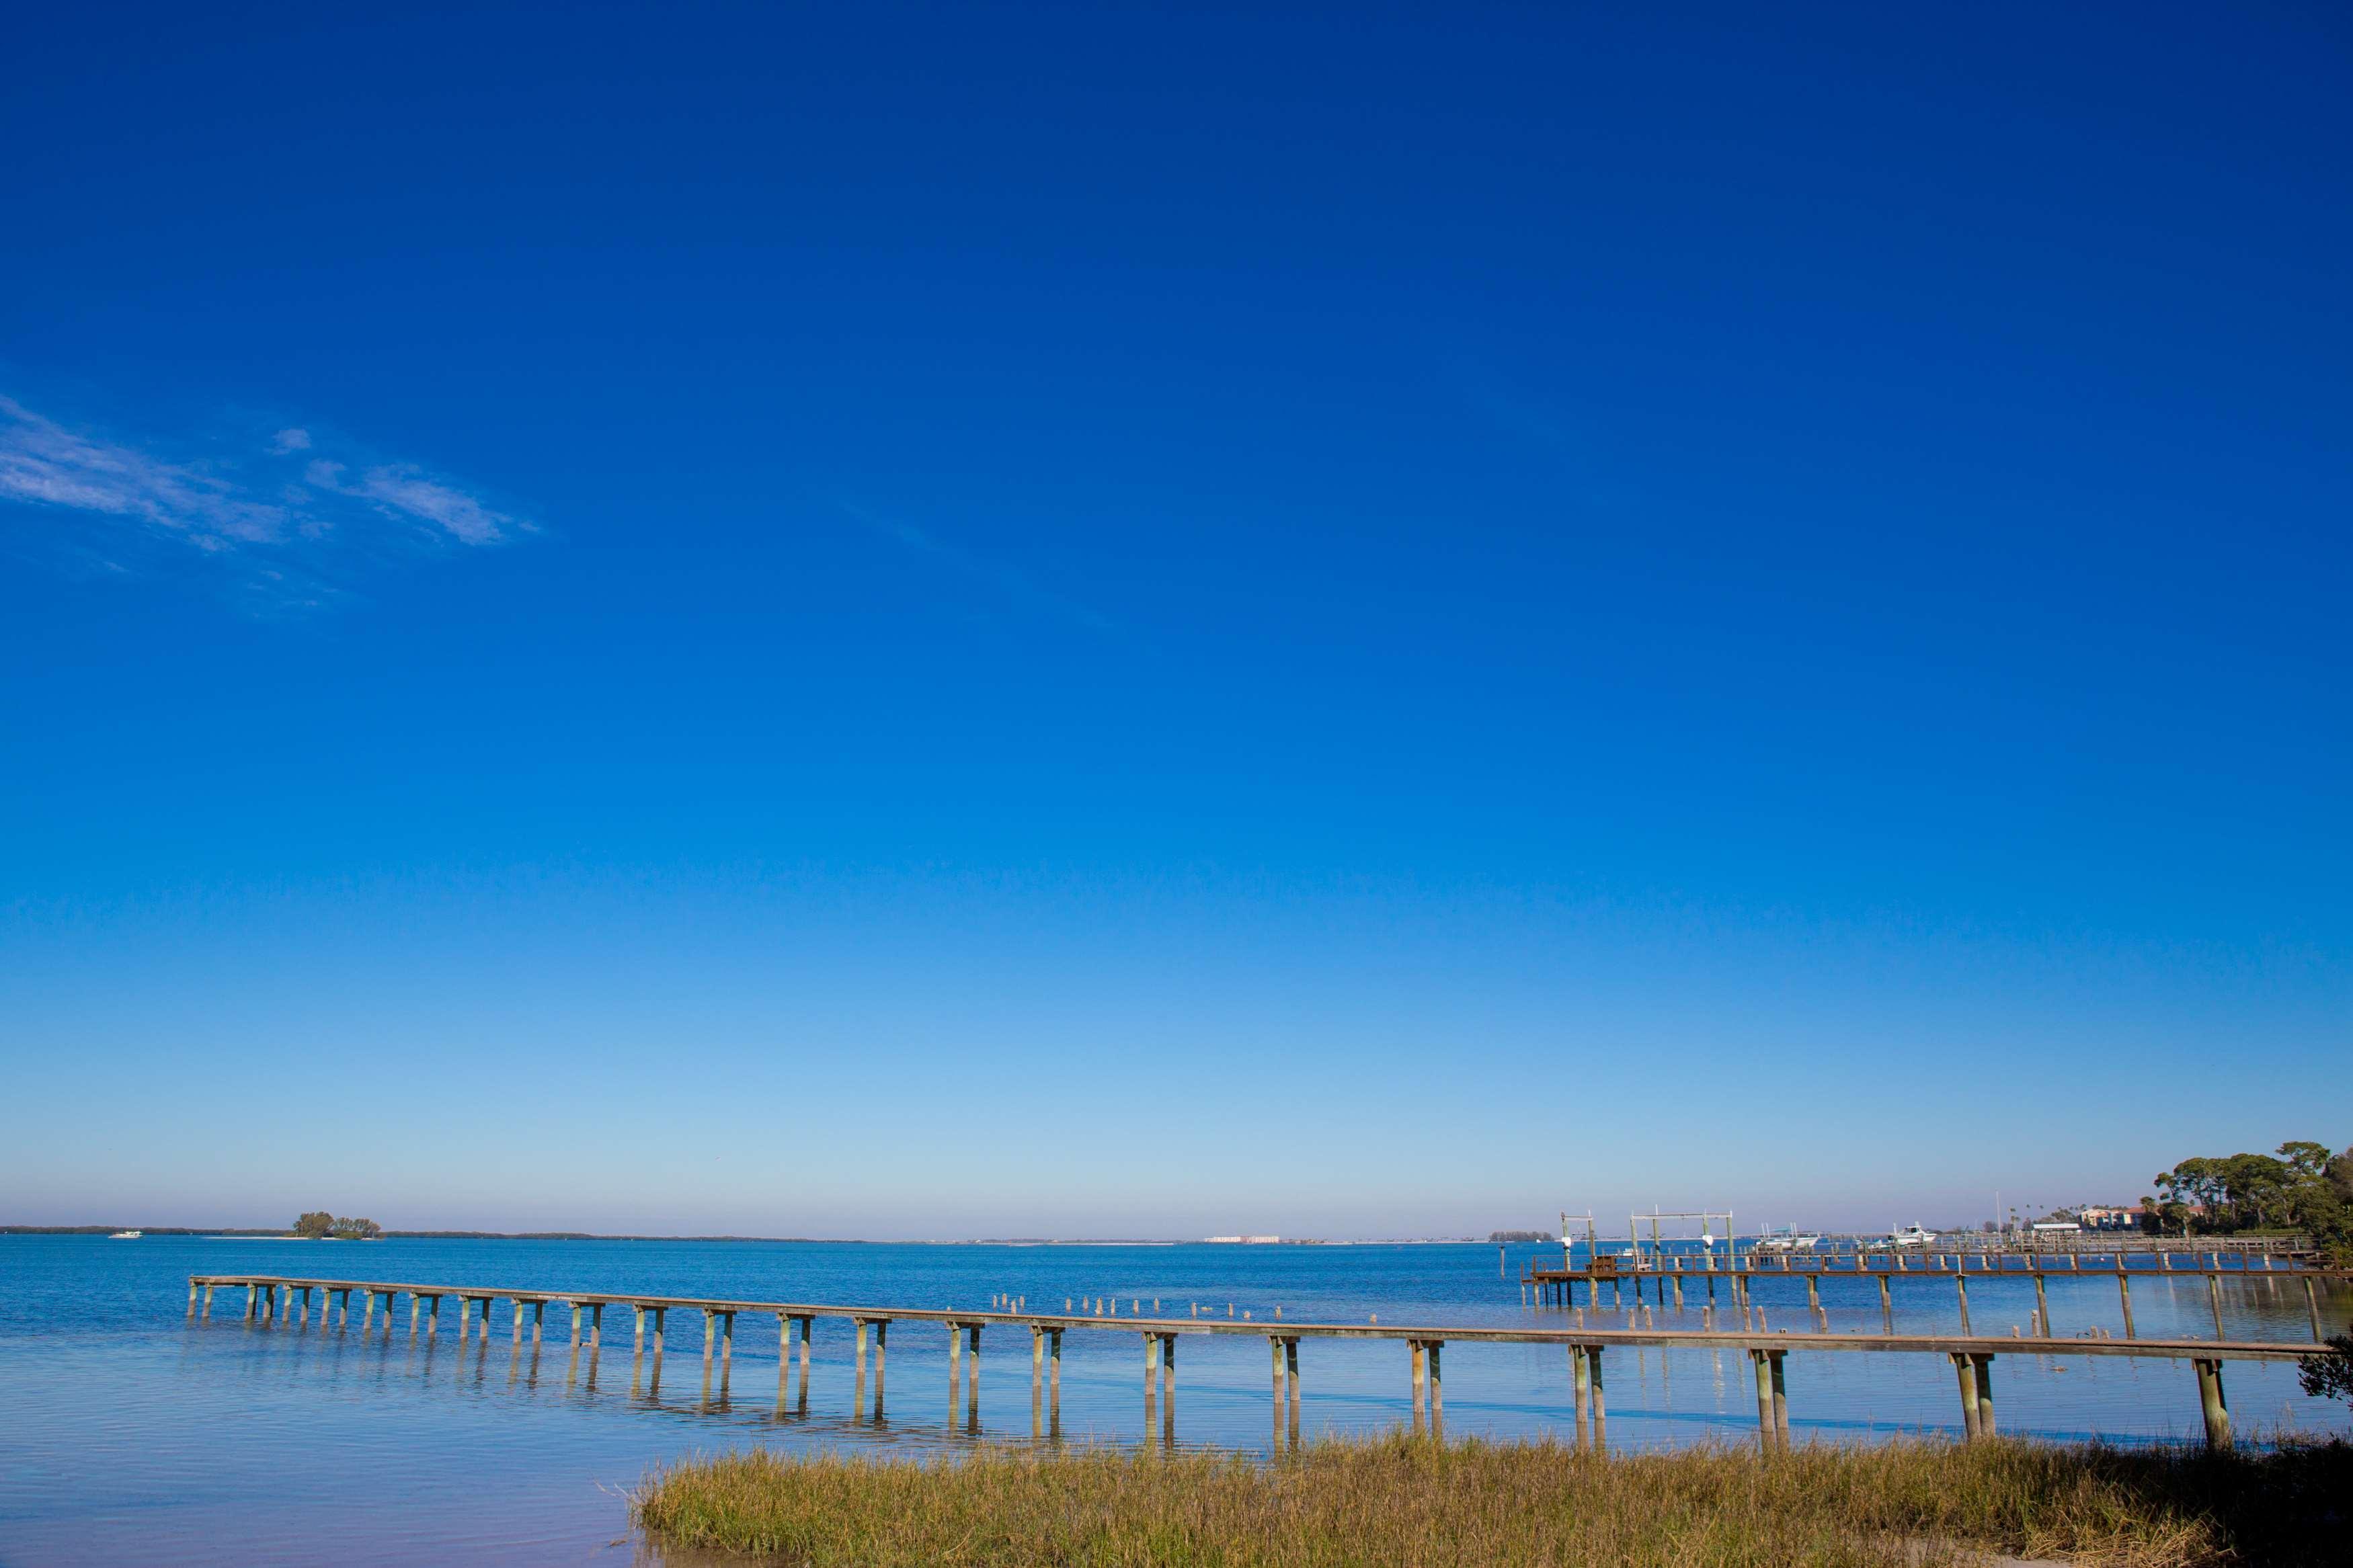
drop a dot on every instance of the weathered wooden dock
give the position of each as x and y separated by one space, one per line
1665 1273
272 1299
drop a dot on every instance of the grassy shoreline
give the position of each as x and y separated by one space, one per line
1405 1501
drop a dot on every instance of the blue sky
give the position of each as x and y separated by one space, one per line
914 621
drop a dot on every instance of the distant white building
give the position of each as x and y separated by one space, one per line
1244 1240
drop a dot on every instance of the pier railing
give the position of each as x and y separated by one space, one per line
1663 1272
270 1299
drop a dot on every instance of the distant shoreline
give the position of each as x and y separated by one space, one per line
234 1234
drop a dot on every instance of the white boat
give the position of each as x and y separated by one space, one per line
125 1236
1788 1241
1911 1236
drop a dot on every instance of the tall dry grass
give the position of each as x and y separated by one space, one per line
1417 1504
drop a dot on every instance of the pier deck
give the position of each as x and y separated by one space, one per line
1663 1272
270 1298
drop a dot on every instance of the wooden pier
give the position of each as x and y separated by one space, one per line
271 1299
1666 1272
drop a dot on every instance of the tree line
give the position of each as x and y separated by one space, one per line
2300 1186
320 1226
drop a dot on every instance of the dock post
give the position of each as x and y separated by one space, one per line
1765 1428
1886 1304
1813 1291
2311 1307
1054 1372
2042 1306
1966 1369
1780 1399
2210 1403
1168 1377
192 1295
596 1325
882 1348
415 1306
1151 1374
518 1322
1600 1406
367 1311
861 1353
640 1313
538 1322
1961 1283
710 1333
1578 1378
575 1325
2123 1293
1679 1285
972 1355
807 1323
1291 1384
727 1337
1434 1350
661 1325
956 1360
1418 1380
1036 1364
1274 1349
2215 1297
1981 1375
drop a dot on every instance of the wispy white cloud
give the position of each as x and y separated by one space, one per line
230 503
401 490
44 464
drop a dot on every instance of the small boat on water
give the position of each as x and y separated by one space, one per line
1787 1239
126 1236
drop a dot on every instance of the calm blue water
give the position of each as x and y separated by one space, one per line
132 1435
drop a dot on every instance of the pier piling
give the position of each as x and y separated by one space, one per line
1435 1349
2212 1403
1291 1384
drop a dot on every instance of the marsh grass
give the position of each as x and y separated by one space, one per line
1406 1501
